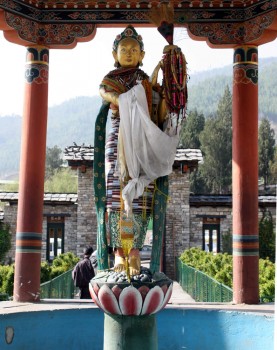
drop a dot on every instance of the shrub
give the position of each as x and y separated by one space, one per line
3 276
266 277
217 266
45 272
267 237
66 260
220 267
61 264
57 271
6 279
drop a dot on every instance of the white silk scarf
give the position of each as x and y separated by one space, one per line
149 152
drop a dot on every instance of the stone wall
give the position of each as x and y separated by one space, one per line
80 224
69 213
196 222
177 237
271 209
226 224
10 217
184 221
86 214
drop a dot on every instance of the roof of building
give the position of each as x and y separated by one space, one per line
94 4
204 199
225 200
195 199
189 154
78 155
60 198
66 22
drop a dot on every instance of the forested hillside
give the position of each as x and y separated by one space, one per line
73 120
206 88
10 134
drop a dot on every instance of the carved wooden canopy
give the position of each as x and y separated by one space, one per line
61 24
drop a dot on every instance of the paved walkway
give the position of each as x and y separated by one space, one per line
179 296
180 299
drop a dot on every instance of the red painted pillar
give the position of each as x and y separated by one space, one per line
31 180
245 176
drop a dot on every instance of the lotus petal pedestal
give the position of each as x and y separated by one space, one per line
130 309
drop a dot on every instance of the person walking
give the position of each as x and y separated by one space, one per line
82 273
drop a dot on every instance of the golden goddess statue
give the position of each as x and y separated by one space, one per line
140 148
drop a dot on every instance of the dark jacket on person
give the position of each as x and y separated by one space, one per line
82 274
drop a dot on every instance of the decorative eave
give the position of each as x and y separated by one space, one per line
61 24
123 11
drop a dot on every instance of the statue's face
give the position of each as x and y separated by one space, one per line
128 53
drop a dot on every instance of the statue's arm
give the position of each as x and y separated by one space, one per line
154 76
110 96
161 110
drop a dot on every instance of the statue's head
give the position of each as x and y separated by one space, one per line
128 48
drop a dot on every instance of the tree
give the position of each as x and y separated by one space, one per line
54 160
267 237
227 243
266 149
62 181
5 241
189 138
197 182
273 169
216 145
11 187
192 127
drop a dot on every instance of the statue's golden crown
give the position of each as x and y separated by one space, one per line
129 32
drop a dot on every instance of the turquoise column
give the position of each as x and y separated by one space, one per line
130 332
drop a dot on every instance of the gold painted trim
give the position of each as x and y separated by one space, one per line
246 62
37 62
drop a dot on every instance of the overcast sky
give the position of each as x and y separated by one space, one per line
79 71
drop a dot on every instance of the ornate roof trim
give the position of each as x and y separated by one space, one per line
64 23
136 11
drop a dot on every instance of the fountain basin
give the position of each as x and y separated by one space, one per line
77 324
